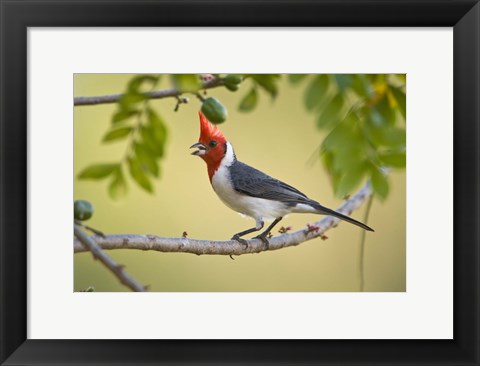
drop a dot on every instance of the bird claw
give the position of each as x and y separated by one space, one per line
264 240
240 240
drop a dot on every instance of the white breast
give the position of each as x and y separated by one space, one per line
258 208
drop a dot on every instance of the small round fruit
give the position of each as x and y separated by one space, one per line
232 87
214 110
82 210
233 79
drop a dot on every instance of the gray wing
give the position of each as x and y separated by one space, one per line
253 182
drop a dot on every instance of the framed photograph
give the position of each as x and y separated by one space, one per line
330 131
346 134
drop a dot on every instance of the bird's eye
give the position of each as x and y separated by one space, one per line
212 143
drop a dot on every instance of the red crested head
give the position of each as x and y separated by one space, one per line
211 145
209 131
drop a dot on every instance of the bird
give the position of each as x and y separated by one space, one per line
248 190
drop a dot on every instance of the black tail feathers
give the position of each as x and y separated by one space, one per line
327 211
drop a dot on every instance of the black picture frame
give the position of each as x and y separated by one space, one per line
18 15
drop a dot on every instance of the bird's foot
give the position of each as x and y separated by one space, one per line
240 240
264 240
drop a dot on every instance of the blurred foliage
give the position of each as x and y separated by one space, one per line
364 115
146 135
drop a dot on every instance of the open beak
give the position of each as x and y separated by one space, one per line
201 148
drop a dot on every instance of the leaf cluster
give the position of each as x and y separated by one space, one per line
365 116
266 82
146 134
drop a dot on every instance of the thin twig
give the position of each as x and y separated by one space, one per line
361 257
229 247
89 228
154 94
88 243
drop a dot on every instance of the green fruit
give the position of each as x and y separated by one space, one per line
214 110
232 82
82 210
233 79
232 87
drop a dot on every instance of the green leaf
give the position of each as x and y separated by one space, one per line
123 115
136 82
154 134
248 102
379 183
361 85
348 158
158 125
335 177
343 81
394 137
401 99
117 134
128 100
268 82
316 92
387 114
97 171
138 174
331 113
351 179
296 78
186 82
118 186
394 159
148 138
340 136
375 118
327 158
383 134
146 159
347 145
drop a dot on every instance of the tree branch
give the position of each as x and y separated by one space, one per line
155 94
229 247
86 242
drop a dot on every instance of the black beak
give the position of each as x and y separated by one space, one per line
201 148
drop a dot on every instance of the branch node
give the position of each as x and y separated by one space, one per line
312 228
117 269
200 97
180 100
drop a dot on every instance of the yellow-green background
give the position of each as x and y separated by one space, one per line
278 138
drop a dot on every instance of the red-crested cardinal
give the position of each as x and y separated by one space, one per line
249 191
